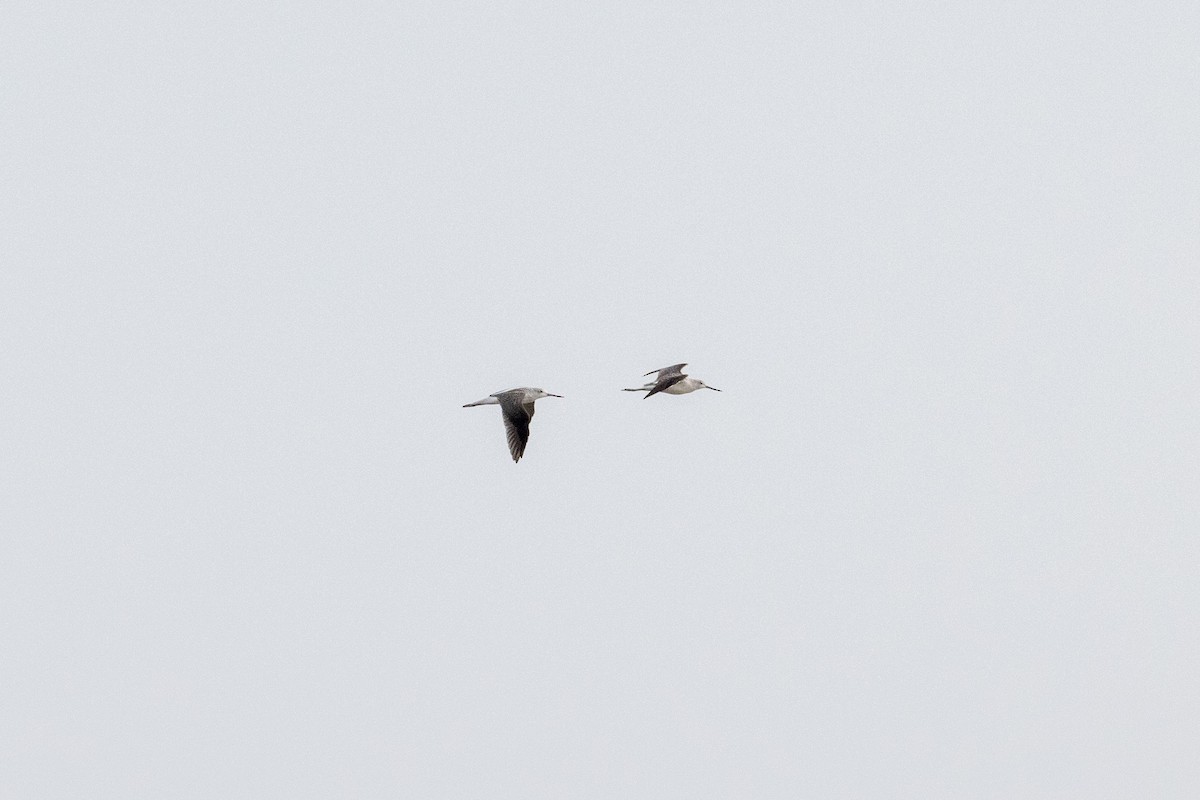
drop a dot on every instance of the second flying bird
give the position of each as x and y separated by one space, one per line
672 380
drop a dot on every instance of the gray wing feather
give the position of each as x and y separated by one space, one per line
665 383
516 421
674 369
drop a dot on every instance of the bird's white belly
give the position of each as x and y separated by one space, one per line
683 387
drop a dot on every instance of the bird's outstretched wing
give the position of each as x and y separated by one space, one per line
516 421
665 383
674 369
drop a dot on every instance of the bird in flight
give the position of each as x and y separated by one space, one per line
516 406
672 381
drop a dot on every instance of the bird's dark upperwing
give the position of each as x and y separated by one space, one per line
664 384
516 423
674 369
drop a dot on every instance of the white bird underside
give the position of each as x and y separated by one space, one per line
682 387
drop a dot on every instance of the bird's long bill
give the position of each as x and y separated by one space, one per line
553 395
715 389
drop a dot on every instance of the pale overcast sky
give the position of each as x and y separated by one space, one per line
936 538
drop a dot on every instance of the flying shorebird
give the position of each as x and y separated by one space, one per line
672 381
516 406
